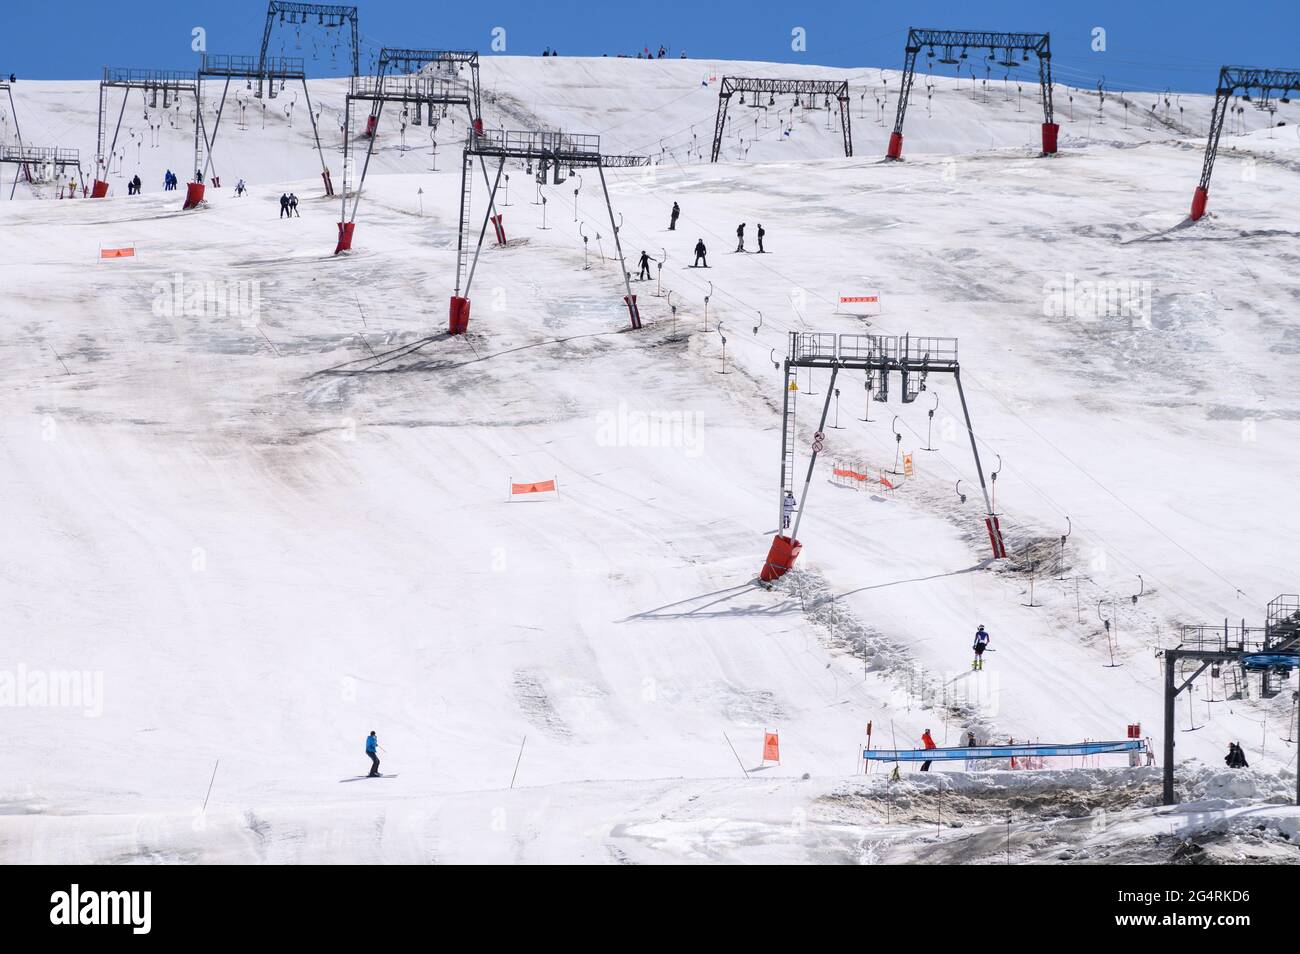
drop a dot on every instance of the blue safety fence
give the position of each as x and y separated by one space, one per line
1002 751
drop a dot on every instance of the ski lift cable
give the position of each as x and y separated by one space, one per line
1118 499
1121 555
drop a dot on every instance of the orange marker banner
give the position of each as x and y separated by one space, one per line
907 465
117 252
538 487
771 747
840 472
885 481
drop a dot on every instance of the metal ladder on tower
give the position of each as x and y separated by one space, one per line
788 436
462 246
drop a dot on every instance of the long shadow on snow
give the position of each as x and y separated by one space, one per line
705 610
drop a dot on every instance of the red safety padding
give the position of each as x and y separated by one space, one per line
193 194
1199 198
345 237
99 190
633 311
1050 131
780 558
895 146
458 317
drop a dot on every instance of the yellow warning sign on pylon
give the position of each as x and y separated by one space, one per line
794 385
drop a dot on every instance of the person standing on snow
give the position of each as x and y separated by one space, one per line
672 221
700 253
787 507
981 644
740 237
372 744
1236 757
644 276
240 189
928 742
284 204
293 205
761 232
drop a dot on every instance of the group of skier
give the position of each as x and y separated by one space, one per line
702 251
288 205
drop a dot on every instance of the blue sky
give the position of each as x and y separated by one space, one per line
1149 45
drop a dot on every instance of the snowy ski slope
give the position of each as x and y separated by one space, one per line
266 543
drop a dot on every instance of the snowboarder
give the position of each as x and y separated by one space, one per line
981 644
293 204
672 221
372 743
928 742
700 254
284 204
761 232
740 237
644 275
787 507
1236 757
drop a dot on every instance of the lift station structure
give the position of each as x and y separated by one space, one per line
956 46
270 73
1234 81
914 359
551 152
425 80
756 86
1271 652
153 84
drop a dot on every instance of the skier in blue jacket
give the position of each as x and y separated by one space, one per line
981 644
372 744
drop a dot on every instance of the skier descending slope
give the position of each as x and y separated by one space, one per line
981 644
372 743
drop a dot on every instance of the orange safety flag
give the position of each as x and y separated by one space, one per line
907 465
117 252
771 747
538 487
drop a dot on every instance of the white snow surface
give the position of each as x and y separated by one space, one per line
262 544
